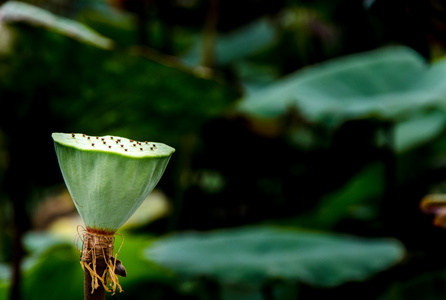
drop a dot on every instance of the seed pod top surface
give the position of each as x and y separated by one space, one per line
109 177
113 144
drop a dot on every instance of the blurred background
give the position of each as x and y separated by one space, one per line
306 135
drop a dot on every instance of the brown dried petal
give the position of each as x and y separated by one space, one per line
431 204
119 269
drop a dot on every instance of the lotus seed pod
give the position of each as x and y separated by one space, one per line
108 177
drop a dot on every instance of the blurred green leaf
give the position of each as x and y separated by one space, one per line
352 201
139 270
4 289
15 11
238 44
109 21
389 83
252 255
419 130
57 275
421 285
38 244
5 272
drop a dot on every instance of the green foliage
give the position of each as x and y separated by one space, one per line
237 45
53 268
15 11
253 255
355 200
98 91
348 144
419 130
55 264
390 83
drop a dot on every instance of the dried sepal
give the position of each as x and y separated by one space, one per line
435 204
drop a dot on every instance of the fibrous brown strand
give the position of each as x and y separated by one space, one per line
97 258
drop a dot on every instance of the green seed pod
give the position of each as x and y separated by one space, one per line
109 177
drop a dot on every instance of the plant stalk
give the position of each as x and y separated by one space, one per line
210 34
99 293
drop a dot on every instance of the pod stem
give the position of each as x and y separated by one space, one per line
99 292
99 265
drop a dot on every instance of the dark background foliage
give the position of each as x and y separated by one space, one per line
188 73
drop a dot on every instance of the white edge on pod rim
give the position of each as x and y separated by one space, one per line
113 144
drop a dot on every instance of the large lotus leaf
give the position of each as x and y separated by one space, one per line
386 83
253 255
